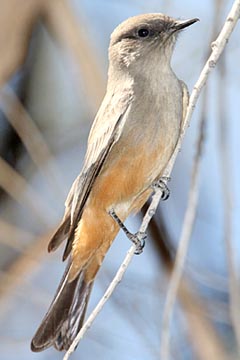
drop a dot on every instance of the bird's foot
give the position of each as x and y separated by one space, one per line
137 239
162 184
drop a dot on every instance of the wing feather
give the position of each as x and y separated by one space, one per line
105 132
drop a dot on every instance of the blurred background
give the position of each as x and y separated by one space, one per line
53 72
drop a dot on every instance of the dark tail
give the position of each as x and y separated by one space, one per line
65 315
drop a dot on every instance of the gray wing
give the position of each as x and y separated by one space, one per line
105 132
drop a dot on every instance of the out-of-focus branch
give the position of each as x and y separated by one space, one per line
11 235
217 49
19 268
14 40
227 193
63 23
32 138
201 331
188 224
17 187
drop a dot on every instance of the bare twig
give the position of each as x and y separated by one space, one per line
217 48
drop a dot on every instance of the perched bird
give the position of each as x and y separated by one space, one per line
131 141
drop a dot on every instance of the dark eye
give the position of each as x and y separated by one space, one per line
143 32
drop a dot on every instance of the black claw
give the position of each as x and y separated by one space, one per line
161 184
165 193
139 240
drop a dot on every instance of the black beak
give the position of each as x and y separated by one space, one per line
179 24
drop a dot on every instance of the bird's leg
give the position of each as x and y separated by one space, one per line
162 184
138 239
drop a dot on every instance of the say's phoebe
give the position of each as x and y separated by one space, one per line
131 141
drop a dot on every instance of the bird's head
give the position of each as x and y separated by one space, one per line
144 38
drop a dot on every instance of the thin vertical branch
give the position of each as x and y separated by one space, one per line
217 48
227 191
200 328
188 223
187 228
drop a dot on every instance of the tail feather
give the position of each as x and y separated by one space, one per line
65 315
60 235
